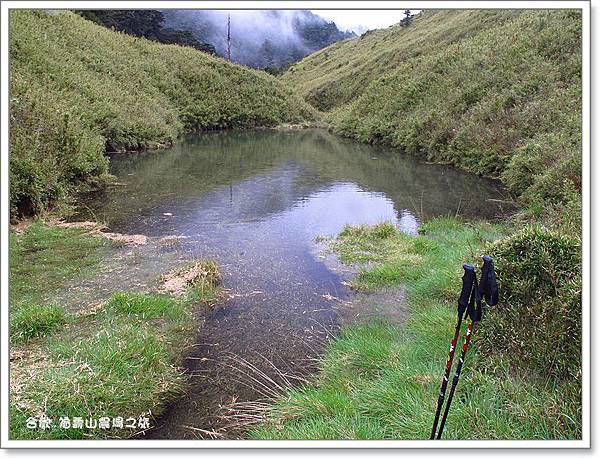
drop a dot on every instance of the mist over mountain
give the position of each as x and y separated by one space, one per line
259 38
144 23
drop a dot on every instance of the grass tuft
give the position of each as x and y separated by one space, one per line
30 321
145 306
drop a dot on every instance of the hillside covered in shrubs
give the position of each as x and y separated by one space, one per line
497 93
147 24
79 90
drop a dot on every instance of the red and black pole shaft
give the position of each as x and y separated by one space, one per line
468 280
459 366
488 290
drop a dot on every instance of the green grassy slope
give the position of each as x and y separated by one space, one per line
495 93
338 74
78 89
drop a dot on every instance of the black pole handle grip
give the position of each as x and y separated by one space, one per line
475 309
467 285
488 285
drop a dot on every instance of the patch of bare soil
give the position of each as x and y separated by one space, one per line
21 225
97 229
176 282
76 224
90 309
135 239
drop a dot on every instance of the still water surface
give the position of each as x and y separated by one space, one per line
255 201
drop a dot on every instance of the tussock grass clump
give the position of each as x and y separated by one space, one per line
79 89
537 324
378 381
382 230
146 306
30 321
365 244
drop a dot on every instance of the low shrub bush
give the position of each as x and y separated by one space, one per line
537 324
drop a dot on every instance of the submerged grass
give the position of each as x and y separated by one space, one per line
42 260
378 381
120 360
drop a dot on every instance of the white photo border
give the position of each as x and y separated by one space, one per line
584 6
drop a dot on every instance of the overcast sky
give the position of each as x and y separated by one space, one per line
362 20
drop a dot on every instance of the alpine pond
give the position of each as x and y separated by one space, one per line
256 202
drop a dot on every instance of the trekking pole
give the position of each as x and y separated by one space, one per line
474 312
463 301
487 289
